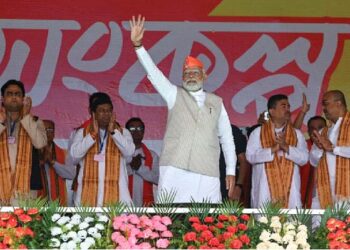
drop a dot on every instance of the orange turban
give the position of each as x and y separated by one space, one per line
191 62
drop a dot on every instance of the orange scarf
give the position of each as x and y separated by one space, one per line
18 182
57 183
148 198
342 181
279 172
90 175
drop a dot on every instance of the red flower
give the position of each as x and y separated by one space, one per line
191 247
20 232
242 226
197 227
32 211
29 232
209 219
245 239
3 246
212 228
221 246
334 244
190 236
347 219
12 222
204 227
5 216
2 223
207 235
25 218
7 240
227 235
22 246
236 244
220 225
194 219
232 229
204 247
245 217
222 217
18 211
213 242
340 235
331 236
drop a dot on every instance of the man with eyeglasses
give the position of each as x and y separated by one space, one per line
101 148
20 135
143 166
54 169
197 124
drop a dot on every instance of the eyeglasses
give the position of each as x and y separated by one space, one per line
133 129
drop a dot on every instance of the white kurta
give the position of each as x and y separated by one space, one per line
257 156
188 184
144 173
81 146
316 154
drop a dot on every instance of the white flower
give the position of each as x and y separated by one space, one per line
264 236
63 220
302 228
55 231
64 237
68 226
302 234
262 246
102 218
83 225
64 246
287 238
301 241
276 237
76 217
90 240
55 217
85 245
76 240
82 234
275 246
92 230
275 219
89 219
72 234
263 220
97 236
54 242
292 246
100 226
305 246
71 245
289 226
291 232
276 225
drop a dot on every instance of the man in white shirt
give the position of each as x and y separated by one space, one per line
102 148
276 150
330 153
143 166
197 124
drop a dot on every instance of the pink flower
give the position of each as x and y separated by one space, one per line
154 235
156 218
159 226
120 240
147 233
114 235
166 220
124 245
134 231
167 234
145 222
132 241
134 219
145 245
162 243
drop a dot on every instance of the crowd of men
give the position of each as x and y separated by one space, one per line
201 154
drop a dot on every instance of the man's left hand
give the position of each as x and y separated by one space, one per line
230 185
27 105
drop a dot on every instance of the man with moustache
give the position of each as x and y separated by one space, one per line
102 147
276 150
19 133
197 124
331 153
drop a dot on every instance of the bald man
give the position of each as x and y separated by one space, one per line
331 152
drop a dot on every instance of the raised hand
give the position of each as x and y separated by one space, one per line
305 107
94 127
27 105
2 114
137 29
111 125
323 142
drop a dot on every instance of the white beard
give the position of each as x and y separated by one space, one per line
192 87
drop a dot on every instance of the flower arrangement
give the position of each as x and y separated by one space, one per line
77 232
339 233
143 232
280 234
217 232
16 228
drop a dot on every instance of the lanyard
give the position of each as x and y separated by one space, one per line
102 141
12 127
